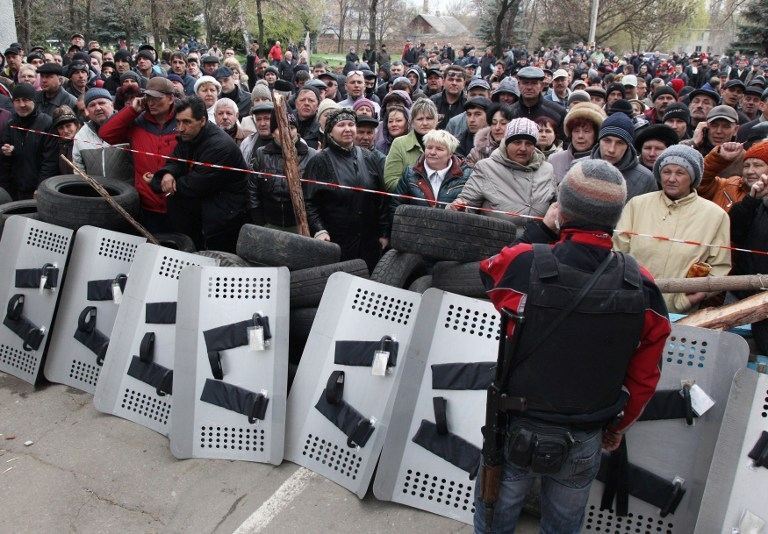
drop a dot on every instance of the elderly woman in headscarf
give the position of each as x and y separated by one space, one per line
357 221
208 89
225 112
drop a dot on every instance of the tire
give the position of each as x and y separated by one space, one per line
449 235
226 259
398 269
459 278
421 284
307 285
180 242
279 248
301 320
70 202
25 208
5 198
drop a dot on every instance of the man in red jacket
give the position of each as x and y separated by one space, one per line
149 125
276 53
587 354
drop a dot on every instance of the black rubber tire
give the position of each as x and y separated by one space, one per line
449 235
459 278
70 202
300 324
180 242
398 269
279 248
307 285
25 208
5 198
226 259
421 284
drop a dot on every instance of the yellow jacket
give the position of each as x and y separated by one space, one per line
691 218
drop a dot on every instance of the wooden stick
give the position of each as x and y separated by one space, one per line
291 165
747 311
111 201
753 282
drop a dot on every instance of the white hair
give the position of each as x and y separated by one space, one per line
221 102
442 137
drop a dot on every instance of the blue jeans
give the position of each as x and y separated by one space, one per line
563 494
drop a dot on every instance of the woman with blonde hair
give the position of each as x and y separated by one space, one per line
237 71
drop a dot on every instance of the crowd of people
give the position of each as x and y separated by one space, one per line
446 127
568 144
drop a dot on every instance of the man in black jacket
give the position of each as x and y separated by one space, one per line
26 158
532 104
450 101
206 203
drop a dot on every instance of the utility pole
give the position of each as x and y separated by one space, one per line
593 23
7 24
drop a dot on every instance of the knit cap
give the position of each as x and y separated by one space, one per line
618 125
207 79
326 105
521 128
677 111
261 91
94 93
578 96
363 102
23 90
593 192
682 155
759 151
663 90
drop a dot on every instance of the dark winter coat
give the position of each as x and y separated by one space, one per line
34 157
206 198
354 220
269 201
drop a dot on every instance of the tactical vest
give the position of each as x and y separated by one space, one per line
580 369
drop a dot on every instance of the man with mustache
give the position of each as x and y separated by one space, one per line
98 108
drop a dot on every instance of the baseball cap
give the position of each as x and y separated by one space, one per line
722 112
559 73
630 80
159 87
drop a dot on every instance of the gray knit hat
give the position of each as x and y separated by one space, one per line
96 92
686 157
618 125
262 91
593 192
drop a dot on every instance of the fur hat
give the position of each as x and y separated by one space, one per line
593 192
584 111
686 157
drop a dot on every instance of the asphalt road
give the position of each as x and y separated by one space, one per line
90 472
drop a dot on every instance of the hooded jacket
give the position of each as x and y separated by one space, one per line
502 184
639 179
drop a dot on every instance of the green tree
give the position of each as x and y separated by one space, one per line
752 32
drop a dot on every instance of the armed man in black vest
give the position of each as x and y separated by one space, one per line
585 329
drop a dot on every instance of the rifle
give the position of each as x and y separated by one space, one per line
497 404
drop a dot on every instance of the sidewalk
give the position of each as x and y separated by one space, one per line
90 472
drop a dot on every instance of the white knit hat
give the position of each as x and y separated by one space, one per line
521 128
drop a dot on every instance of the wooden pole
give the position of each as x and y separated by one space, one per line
710 284
291 165
111 201
747 311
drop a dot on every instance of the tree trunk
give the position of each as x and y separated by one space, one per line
260 24
88 17
503 8
372 32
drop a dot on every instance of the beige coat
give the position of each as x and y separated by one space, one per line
691 218
499 183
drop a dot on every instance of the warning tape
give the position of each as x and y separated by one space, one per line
387 194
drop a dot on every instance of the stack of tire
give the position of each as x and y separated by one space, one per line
440 248
25 208
311 263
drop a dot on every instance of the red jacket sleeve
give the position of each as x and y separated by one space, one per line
118 128
644 371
